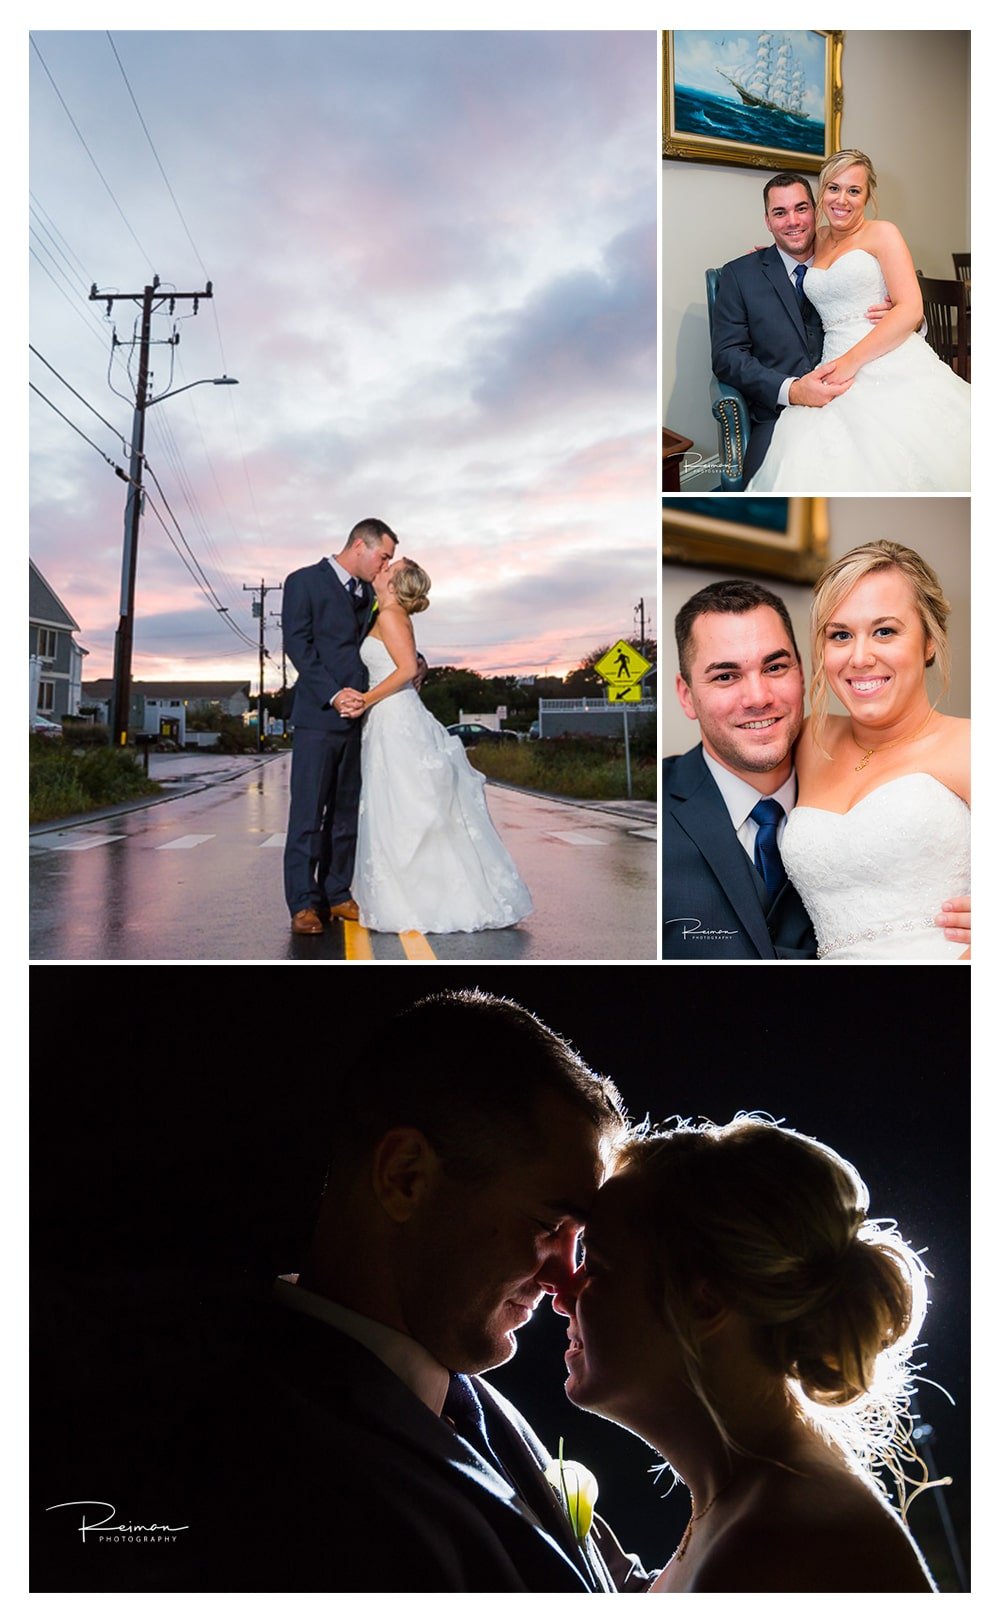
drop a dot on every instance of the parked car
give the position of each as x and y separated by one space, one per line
473 732
48 729
535 730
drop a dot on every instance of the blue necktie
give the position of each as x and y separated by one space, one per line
799 274
767 814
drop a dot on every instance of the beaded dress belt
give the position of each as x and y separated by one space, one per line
874 933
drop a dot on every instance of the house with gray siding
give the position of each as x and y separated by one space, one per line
55 660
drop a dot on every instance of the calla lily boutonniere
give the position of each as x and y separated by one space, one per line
577 1488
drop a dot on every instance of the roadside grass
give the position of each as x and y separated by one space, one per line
65 780
583 768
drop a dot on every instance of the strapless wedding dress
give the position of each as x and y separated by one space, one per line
428 855
873 879
904 424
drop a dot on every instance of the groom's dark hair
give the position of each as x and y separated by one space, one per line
786 178
467 1069
725 597
371 531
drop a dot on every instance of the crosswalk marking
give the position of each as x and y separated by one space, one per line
274 840
357 941
416 945
187 842
577 839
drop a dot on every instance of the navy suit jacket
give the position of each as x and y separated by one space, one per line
318 1469
714 901
323 628
761 335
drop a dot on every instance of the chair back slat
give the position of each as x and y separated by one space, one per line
946 311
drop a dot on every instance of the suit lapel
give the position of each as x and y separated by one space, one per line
703 816
773 267
526 1468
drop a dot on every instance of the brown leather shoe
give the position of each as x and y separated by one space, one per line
346 910
307 922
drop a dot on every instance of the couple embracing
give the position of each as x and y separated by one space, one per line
388 822
726 1297
847 837
819 331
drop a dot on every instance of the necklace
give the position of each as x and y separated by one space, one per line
689 1529
876 749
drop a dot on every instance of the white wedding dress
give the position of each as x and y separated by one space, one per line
428 855
873 879
903 425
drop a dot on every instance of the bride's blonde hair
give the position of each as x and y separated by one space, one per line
840 161
840 578
776 1225
411 586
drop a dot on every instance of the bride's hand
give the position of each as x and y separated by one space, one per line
955 918
840 372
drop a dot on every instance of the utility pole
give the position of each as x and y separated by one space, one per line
258 611
122 689
640 610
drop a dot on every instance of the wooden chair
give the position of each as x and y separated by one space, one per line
946 309
963 267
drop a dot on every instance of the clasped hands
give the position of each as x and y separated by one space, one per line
349 702
831 378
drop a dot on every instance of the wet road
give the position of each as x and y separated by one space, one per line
199 877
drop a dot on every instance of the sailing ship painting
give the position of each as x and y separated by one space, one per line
751 96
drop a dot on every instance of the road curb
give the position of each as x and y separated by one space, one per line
99 813
640 811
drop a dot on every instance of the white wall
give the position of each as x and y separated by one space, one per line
935 526
906 103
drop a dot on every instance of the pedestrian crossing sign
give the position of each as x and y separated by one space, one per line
622 669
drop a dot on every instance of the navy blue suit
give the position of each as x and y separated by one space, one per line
714 901
315 1469
762 335
323 626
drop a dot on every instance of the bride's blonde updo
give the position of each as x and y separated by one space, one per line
411 586
837 163
776 1226
840 578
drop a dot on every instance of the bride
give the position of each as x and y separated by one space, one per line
739 1310
903 422
428 855
881 828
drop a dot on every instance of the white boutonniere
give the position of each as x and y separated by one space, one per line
577 1489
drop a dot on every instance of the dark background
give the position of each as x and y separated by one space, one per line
180 1124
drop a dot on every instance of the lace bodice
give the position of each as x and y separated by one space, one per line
841 293
873 880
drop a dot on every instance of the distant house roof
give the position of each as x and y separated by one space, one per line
101 689
43 604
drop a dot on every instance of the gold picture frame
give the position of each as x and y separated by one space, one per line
741 126
782 536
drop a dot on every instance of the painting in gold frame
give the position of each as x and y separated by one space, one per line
783 536
766 99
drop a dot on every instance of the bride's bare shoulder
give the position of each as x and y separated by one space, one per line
838 1536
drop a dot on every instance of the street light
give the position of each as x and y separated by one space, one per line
121 692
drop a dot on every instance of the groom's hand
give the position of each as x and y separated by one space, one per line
422 668
348 702
812 389
955 919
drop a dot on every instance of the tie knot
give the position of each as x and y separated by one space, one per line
768 813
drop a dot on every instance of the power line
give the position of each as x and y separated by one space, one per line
90 155
117 432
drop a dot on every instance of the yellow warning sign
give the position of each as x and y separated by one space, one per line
623 668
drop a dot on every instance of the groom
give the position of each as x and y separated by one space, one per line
725 891
767 339
349 1442
326 610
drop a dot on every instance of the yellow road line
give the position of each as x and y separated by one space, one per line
357 941
415 945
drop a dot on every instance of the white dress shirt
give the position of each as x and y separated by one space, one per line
414 1365
741 798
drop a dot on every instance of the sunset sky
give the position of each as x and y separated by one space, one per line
434 265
